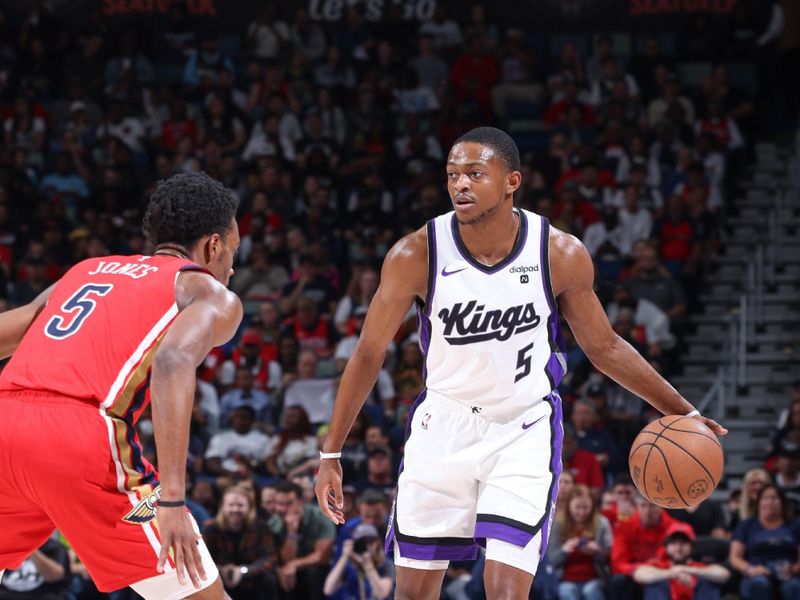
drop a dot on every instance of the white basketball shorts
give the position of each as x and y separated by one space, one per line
468 476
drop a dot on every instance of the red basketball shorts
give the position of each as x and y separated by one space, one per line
66 464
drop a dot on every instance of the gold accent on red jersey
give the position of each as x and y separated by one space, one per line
145 511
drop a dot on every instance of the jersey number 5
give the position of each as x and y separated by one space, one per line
75 310
523 362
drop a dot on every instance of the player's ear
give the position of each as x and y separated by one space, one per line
513 181
213 246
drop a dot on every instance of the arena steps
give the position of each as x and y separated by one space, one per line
751 411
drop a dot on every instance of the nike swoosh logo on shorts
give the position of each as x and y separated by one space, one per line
529 425
446 273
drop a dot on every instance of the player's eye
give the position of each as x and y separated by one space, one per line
476 174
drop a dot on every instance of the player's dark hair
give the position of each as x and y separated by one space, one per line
498 140
186 207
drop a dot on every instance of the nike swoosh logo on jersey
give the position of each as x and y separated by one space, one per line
529 425
446 273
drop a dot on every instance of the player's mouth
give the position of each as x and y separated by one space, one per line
463 201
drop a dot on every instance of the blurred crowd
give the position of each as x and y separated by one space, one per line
334 142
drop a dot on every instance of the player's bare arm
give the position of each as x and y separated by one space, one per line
14 323
209 316
572 276
403 278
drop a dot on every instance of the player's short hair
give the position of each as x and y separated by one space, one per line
498 140
186 207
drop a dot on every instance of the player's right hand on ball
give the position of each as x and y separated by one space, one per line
329 490
178 535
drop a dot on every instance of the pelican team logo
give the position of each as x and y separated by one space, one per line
145 511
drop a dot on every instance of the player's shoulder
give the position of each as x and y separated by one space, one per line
406 263
564 245
193 285
410 248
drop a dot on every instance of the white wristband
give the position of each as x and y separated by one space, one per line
694 413
329 455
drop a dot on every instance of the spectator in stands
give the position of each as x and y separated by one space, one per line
312 331
623 500
754 480
267 36
764 549
677 576
380 472
359 293
671 104
242 546
308 283
261 278
787 475
566 483
706 519
474 74
603 51
255 355
445 32
789 426
240 450
518 75
294 444
314 394
635 221
583 465
654 283
597 441
362 569
579 547
675 233
245 394
44 575
305 540
637 541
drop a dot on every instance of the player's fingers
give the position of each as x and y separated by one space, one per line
191 567
325 504
716 427
162 556
338 497
335 505
179 568
198 558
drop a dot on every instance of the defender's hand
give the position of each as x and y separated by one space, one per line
329 490
178 535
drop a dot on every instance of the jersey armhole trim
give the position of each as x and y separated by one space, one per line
427 304
548 286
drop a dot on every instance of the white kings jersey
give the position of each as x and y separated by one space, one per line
490 335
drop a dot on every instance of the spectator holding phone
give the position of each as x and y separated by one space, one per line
362 571
579 547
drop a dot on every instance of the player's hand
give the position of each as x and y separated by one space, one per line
329 490
178 535
712 425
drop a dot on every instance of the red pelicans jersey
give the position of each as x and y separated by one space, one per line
96 338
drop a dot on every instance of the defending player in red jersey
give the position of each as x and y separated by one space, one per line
89 354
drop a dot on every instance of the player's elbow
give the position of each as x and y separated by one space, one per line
173 361
602 350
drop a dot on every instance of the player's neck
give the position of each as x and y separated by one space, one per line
175 250
493 239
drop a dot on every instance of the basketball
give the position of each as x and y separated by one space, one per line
676 461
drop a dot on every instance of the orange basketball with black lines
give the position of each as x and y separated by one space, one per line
676 461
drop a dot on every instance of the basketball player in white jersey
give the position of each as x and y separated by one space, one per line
483 441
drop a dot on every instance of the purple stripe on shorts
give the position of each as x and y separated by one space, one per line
437 552
557 421
502 531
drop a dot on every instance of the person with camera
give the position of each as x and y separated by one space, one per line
362 571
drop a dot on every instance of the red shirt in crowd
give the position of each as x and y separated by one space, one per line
635 545
678 590
585 469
